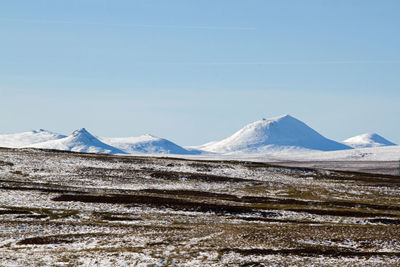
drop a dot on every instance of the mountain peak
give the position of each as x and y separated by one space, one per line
285 116
373 135
82 135
280 132
282 118
147 143
277 118
150 136
80 141
368 140
80 132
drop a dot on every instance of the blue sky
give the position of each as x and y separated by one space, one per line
198 70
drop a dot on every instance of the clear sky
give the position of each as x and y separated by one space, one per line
194 71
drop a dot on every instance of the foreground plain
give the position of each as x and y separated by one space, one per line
71 209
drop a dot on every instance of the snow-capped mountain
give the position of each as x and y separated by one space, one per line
278 136
283 133
79 141
28 138
367 140
146 144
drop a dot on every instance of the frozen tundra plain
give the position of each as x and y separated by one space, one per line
77 209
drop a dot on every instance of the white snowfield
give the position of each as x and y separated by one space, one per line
277 139
383 153
367 140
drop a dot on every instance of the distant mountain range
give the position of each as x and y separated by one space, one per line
281 134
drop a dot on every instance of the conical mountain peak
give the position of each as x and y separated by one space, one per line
82 135
81 131
80 141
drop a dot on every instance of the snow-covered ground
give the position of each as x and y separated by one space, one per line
388 153
76 209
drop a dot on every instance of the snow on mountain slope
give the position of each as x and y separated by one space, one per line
384 153
147 144
28 138
79 141
367 140
283 133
